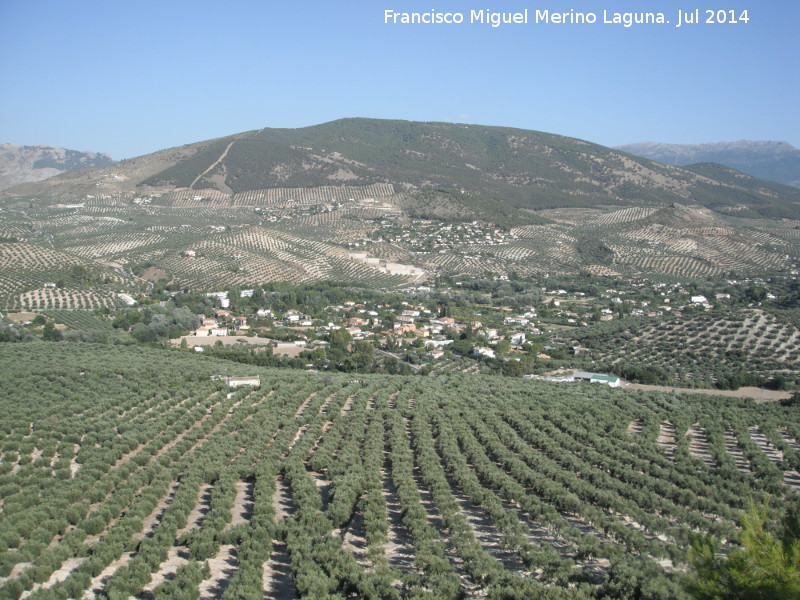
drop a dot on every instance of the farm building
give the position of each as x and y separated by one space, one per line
127 299
487 352
239 381
225 340
610 380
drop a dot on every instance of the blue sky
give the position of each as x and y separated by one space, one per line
129 78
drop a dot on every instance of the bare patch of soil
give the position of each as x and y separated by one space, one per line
760 440
348 405
260 401
789 440
757 394
59 575
16 570
73 462
200 510
20 318
586 528
302 408
222 566
399 548
296 437
199 443
154 275
97 585
318 441
127 456
790 478
666 438
489 536
635 427
732 446
323 410
154 518
282 504
698 444
426 501
242 508
353 539
277 577
540 535
177 556
469 588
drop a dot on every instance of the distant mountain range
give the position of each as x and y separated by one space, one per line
497 174
774 161
23 164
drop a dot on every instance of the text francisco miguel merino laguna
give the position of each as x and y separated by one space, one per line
571 17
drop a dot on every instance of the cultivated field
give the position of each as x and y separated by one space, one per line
133 473
207 238
700 350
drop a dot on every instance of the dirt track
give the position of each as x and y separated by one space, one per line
757 394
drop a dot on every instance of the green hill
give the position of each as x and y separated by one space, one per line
518 169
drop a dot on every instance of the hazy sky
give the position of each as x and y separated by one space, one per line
129 78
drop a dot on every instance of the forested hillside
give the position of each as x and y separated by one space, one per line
129 471
500 167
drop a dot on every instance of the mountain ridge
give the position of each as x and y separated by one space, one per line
499 171
777 161
29 164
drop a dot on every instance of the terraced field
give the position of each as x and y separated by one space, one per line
135 474
208 238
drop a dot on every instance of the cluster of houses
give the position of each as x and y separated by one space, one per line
667 299
222 323
435 235
437 332
410 323
383 325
